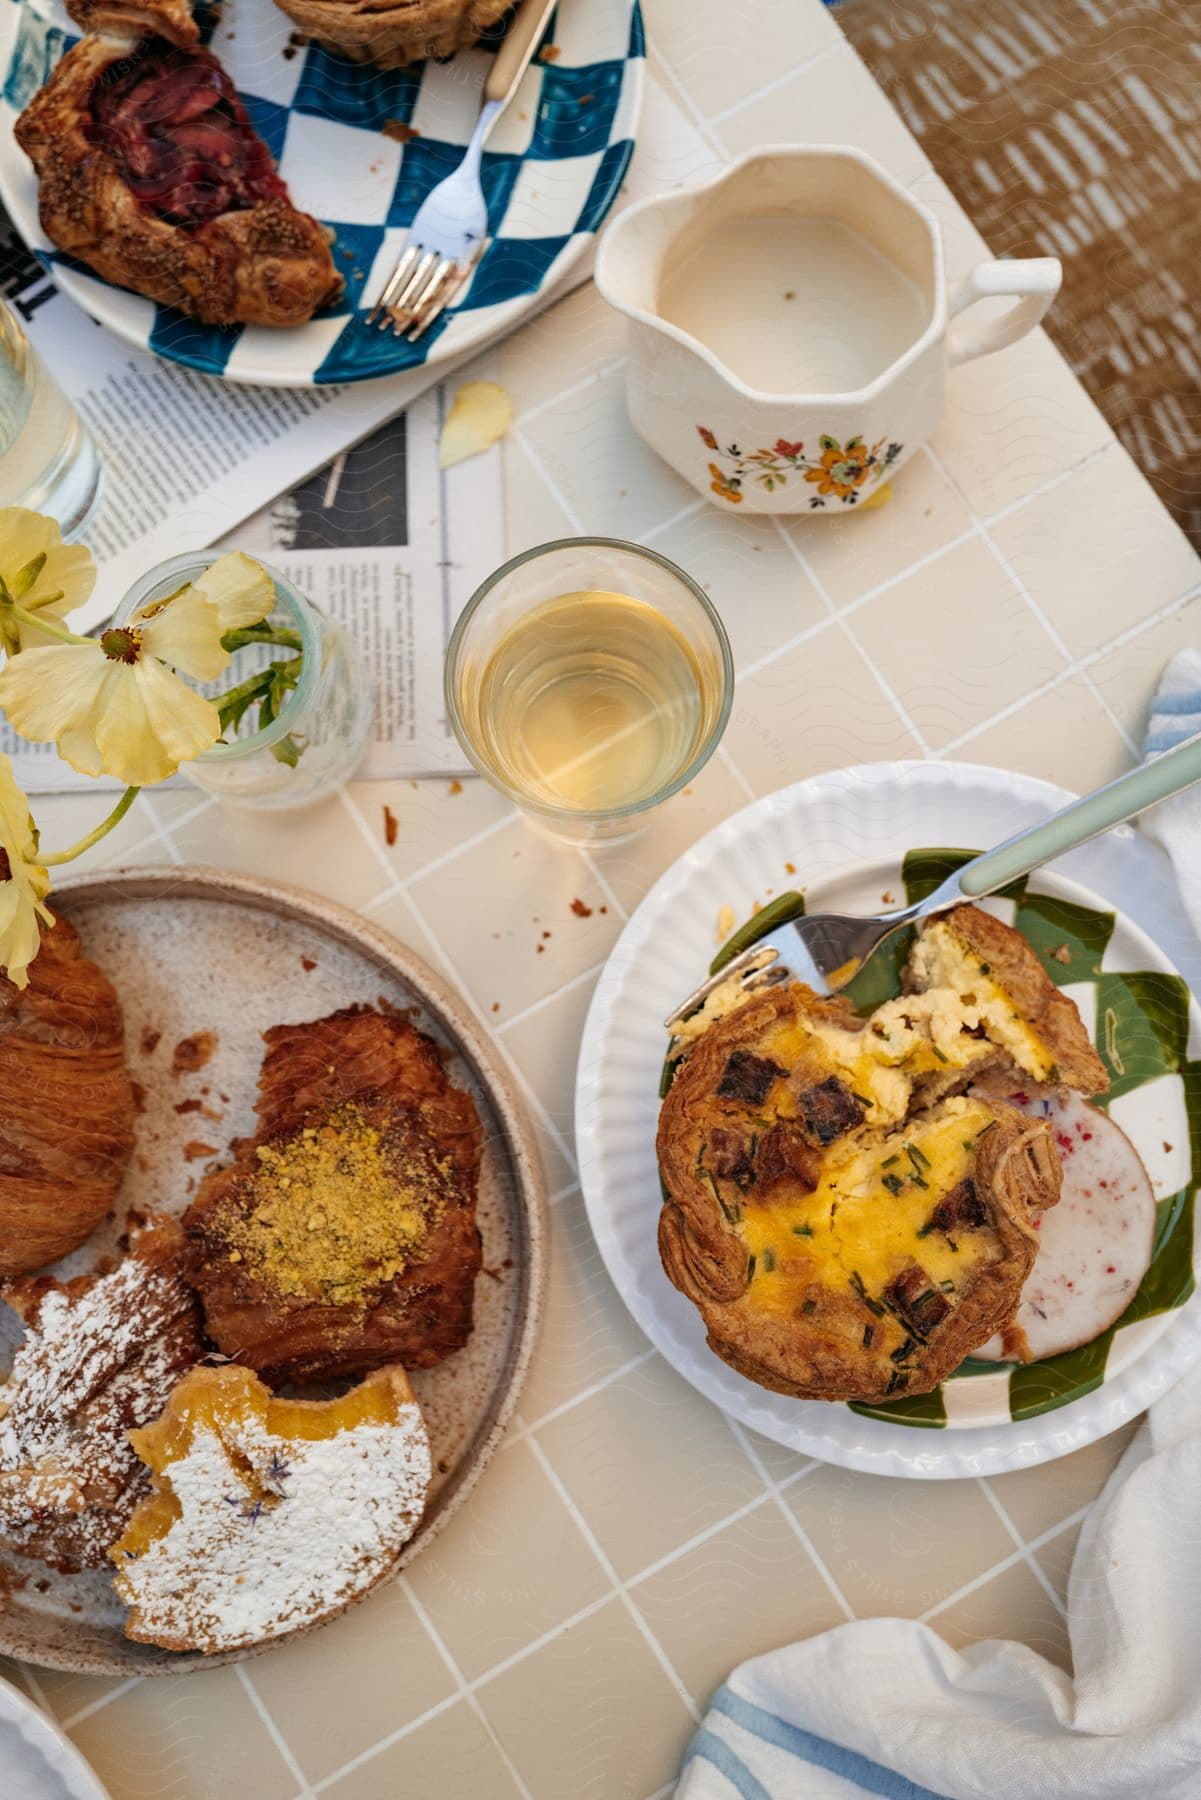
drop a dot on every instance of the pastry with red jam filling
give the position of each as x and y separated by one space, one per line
150 172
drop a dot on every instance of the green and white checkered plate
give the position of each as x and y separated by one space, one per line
853 837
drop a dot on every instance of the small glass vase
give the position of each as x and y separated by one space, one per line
328 714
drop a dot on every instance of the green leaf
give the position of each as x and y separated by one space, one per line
880 978
910 1409
1169 1280
287 750
975 1365
1040 1387
1050 923
1142 1027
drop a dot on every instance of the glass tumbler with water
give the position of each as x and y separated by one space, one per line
48 461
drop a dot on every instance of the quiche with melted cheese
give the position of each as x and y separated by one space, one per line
845 1203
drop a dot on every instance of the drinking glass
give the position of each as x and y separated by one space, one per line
48 461
589 679
328 714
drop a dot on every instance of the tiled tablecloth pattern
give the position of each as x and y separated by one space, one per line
1013 604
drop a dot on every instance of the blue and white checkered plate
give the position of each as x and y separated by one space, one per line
551 171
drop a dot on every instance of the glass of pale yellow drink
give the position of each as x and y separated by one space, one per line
589 679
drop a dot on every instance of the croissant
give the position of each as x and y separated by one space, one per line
393 33
151 173
66 1104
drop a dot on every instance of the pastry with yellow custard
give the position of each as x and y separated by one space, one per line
267 1515
846 1205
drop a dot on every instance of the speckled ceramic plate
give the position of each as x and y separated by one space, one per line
198 950
848 838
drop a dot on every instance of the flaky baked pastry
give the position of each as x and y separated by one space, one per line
267 1515
170 19
850 1222
66 1103
150 172
343 1234
393 33
100 1356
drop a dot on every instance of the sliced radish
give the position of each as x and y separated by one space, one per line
1094 1246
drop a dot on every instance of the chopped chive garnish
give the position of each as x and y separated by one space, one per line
915 1156
985 968
926 1294
808 1307
732 1213
750 1268
856 1281
947 1286
893 1183
888 1162
802 1231
938 1053
899 1380
902 1351
926 1229
863 1099
919 1180
869 1333
767 1261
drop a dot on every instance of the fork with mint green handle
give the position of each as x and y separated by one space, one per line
834 946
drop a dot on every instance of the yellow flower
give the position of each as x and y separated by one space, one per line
239 588
115 707
24 883
40 573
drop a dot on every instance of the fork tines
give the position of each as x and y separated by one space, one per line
421 287
757 967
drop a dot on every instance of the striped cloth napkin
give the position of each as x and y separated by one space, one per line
885 1707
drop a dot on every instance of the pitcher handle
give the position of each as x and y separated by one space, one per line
1033 281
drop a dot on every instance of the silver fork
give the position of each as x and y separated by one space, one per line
446 239
834 947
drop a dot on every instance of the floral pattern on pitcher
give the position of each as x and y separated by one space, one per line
840 470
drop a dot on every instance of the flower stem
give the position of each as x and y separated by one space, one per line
255 684
93 837
51 627
260 634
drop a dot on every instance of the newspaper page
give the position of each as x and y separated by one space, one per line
379 536
392 547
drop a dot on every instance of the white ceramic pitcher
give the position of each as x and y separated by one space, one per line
790 326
